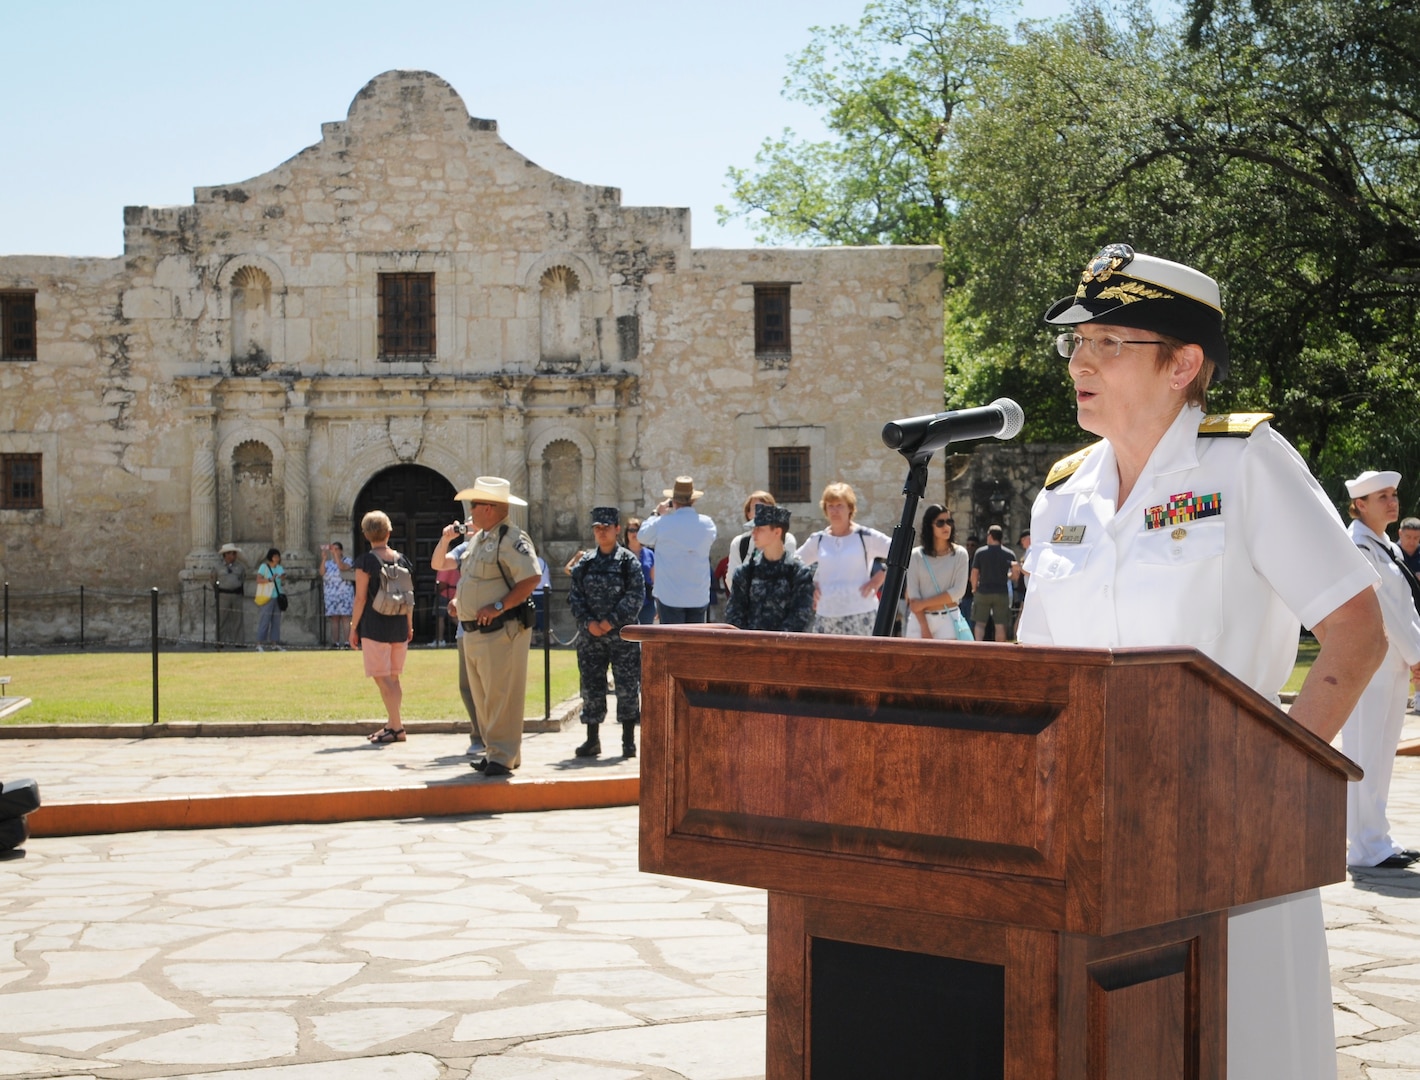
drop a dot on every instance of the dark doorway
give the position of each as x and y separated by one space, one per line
419 503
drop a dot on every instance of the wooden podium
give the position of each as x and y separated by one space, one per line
982 860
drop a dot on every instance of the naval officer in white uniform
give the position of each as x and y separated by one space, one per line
1180 530
1373 729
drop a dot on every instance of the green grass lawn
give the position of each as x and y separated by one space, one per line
1306 653
305 685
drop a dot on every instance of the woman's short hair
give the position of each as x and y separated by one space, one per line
757 497
838 491
272 551
929 535
1197 392
376 525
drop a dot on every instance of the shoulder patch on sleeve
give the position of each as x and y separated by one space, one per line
1236 425
1065 468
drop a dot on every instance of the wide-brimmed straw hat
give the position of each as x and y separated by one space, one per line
684 489
228 547
490 489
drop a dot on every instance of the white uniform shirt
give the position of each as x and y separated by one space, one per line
1402 623
1235 584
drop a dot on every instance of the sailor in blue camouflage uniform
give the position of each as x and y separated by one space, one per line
607 593
773 590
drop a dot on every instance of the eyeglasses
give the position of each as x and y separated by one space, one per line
1108 347
636 528
943 522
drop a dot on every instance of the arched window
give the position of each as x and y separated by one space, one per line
254 498
560 314
563 513
251 321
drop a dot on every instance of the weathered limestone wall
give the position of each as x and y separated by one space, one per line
222 380
866 349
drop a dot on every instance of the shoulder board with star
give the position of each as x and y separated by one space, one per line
1235 425
1065 468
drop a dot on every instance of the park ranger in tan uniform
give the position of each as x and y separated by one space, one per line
498 575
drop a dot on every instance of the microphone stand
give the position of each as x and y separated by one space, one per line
900 553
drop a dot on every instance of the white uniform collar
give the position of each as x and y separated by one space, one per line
1177 451
1361 531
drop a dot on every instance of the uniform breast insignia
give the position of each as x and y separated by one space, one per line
1236 425
1068 534
1066 467
1183 508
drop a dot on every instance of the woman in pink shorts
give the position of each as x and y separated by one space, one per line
381 639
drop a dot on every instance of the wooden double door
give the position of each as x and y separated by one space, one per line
419 502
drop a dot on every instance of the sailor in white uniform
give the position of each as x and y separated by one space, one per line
1372 732
1181 529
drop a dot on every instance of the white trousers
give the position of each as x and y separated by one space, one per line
1279 991
1369 739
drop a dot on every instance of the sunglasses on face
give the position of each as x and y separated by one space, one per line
943 522
636 529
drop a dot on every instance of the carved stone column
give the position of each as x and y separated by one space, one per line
515 448
296 486
608 421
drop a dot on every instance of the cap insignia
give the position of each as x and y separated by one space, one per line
1111 258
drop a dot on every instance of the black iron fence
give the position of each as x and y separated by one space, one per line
86 616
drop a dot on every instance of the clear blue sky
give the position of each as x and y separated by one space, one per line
137 102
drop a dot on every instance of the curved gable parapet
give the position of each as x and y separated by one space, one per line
560 432
412 101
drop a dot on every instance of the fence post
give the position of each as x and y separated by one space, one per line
154 595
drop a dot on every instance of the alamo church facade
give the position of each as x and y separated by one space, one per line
401 307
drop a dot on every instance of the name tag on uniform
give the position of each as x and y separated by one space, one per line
1068 534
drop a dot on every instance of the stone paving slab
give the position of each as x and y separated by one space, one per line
459 948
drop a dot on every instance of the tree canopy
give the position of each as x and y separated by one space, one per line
1271 143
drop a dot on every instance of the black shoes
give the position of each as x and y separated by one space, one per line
591 748
628 749
490 768
1399 861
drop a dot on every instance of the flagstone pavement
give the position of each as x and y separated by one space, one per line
487 947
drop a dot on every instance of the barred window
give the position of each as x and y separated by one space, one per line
789 480
17 326
406 316
20 475
771 320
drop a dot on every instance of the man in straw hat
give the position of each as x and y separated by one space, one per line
229 581
495 581
681 539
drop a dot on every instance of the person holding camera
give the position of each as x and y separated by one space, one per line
496 580
339 593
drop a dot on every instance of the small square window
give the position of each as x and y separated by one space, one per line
21 478
789 480
771 320
406 316
17 326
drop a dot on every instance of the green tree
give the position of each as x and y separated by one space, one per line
890 90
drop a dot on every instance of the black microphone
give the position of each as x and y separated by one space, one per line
1002 419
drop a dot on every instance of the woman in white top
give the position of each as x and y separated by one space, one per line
1180 530
1373 728
846 583
936 578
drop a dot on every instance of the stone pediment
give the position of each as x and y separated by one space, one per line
410 131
